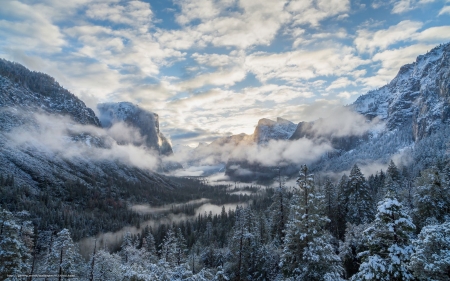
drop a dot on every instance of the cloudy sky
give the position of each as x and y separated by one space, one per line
215 67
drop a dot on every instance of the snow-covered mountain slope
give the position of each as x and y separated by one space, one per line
147 123
27 90
49 137
418 96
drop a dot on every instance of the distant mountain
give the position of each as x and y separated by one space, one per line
267 130
146 122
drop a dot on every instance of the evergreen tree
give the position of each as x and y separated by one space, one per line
360 204
279 211
330 205
389 244
107 267
15 246
342 205
181 246
307 251
150 247
64 258
432 198
355 242
431 259
169 249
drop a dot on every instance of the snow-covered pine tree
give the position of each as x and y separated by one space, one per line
389 246
64 258
432 198
354 243
180 255
360 201
308 254
431 259
107 266
150 246
15 252
169 248
242 244
279 212
342 205
329 191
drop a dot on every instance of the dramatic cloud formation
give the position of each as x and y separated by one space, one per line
215 67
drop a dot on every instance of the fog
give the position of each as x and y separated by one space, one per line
61 136
330 121
109 240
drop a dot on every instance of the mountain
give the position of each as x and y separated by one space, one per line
25 90
414 108
418 97
267 130
59 160
147 123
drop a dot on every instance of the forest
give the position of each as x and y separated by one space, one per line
392 225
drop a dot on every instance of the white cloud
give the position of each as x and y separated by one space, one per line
341 82
403 6
369 41
28 29
444 10
392 60
302 65
312 12
220 78
436 34
136 13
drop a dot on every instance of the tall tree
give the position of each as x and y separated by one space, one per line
389 244
307 251
432 198
360 204
431 259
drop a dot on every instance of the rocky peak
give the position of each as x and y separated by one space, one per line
267 130
146 122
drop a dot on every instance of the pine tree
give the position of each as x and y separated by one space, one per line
279 211
360 204
107 266
432 198
64 259
342 205
355 242
15 251
329 192
431 259
389 244
307 251
169 248
150 247
180 255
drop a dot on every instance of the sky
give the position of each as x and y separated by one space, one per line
211 68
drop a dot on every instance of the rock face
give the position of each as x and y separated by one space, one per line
267 130
417 97
146 122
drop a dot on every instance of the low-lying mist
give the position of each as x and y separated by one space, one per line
60 136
